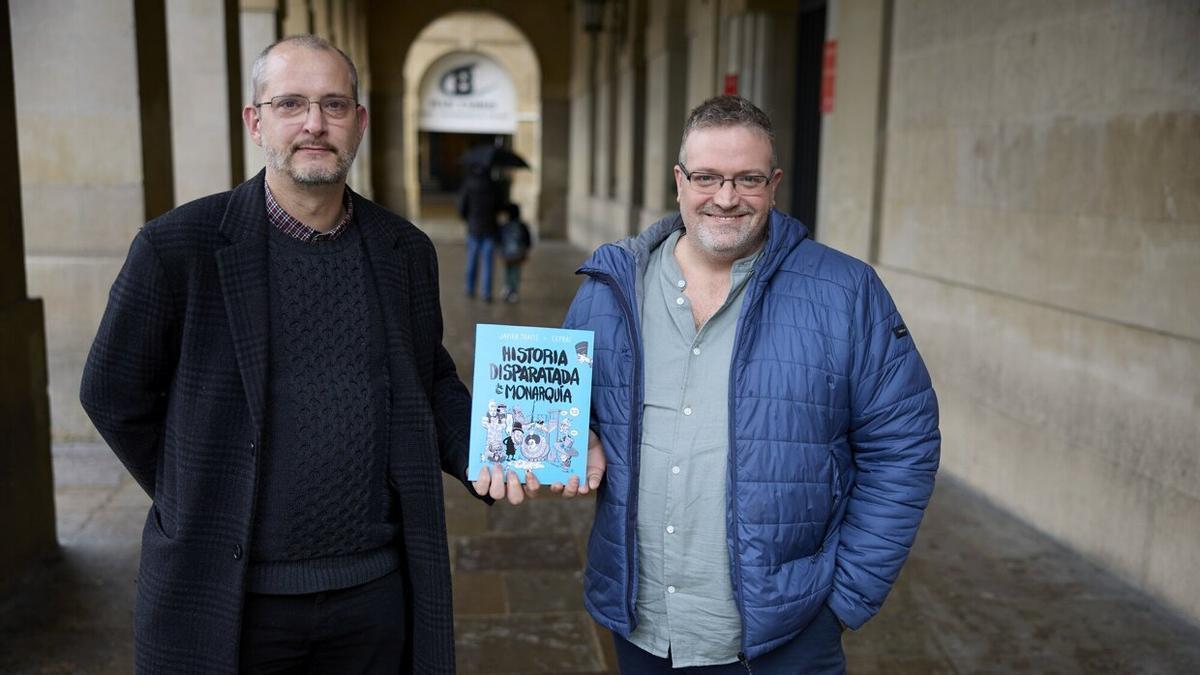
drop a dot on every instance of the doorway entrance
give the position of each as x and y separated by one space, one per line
442 170
810 45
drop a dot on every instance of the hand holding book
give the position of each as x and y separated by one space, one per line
530 405
596 464
493 484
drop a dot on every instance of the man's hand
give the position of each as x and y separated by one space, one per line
492 484
596 463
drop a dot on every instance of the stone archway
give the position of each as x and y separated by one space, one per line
497 51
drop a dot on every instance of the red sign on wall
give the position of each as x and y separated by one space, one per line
731 84
828 74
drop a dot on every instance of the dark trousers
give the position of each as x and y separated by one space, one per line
817 650
512 276
351 630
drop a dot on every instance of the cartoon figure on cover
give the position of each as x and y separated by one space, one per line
495 421
564 447
512 438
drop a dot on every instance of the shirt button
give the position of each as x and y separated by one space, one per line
679 300
670 589
674 469
670 529
687 411
696 351
237 551
681 283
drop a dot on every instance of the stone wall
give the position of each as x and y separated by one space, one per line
1036 213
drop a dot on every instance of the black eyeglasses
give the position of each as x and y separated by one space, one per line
709 183
291 106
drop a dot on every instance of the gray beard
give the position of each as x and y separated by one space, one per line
282 163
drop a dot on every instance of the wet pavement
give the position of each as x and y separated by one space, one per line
982 592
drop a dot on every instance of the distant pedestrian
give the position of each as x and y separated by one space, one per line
477 204
515 242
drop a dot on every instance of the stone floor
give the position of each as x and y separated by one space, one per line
982 592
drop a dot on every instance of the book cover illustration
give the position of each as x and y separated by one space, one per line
531 397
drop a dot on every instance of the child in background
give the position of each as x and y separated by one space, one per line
515 242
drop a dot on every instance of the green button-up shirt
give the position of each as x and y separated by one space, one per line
685 595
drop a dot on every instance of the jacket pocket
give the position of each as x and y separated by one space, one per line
835 500
156 521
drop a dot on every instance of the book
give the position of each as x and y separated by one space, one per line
531 399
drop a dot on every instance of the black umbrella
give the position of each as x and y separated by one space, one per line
492 157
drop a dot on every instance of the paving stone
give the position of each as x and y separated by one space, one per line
545 515
480 593
526 553
605 639
130 495
86 464
467 518
527 644
544 591
982 592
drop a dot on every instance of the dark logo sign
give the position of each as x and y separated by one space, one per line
458 81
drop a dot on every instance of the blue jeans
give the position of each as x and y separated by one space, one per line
817 650
480 248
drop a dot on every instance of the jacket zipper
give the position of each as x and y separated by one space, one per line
734 557
635 432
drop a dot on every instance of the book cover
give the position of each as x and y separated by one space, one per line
530 401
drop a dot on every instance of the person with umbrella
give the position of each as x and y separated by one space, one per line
479 201
477 204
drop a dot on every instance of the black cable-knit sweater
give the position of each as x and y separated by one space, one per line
324 518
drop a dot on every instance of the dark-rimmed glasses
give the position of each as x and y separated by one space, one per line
290 106
710 183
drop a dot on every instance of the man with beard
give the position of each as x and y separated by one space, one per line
270 369
768 436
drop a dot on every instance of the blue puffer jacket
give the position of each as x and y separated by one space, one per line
833 435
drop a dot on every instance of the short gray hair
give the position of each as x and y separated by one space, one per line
729 111
311 42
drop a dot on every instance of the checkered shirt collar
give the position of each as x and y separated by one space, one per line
292 227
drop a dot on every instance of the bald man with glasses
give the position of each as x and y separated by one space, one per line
767 437
270 369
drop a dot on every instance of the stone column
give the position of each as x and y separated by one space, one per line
154 98
26 487
582 130
852 142
360 179
320 10
297 17
703 32
665 106
629 85
556 165
757 51
203 79
91 94
259 26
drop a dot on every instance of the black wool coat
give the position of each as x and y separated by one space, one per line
176 383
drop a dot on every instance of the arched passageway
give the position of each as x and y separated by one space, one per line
471 78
